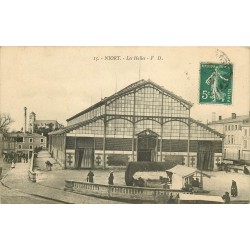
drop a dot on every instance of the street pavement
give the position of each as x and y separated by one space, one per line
51 183
219 183
12 196
41 158
17 179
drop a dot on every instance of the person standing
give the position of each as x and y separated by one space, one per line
234 189
111 178
226 198
90 177
13 164
171 199
245 171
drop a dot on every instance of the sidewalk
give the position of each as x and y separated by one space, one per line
42 157
17 179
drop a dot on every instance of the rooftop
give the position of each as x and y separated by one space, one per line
38 121
21 134
240 118
185 171
129 88
83 123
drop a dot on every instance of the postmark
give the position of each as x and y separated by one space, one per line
216 83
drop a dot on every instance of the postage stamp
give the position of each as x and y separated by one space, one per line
216 83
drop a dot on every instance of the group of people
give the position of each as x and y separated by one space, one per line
15 156
234 193
172 199
90 177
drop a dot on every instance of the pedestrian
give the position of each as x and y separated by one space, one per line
4 157
234 190
245 171
141 182
226 198
13 164
111 178
24 158
171 199
90 177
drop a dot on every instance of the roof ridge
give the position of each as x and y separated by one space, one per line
128 88
230 119
207 127
75 126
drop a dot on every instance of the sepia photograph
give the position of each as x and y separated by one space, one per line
124 125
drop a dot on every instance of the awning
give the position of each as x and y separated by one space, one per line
185 171
150 175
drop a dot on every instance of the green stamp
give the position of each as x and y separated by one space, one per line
216 83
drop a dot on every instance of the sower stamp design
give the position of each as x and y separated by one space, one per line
216 83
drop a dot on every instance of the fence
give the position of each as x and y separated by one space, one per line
152 195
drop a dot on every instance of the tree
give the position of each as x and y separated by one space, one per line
5 121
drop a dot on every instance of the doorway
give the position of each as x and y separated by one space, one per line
84 158
147 146
144 155
205 156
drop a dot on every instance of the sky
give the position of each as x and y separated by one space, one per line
58 82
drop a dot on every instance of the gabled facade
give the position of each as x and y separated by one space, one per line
142 122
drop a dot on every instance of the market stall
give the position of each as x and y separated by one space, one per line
186 178
179 177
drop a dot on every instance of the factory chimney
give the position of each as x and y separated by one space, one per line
25 119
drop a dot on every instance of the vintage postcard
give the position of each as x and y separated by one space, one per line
117 125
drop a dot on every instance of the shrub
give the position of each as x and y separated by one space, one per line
144 166
117 160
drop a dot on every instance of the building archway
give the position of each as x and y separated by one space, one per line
147 142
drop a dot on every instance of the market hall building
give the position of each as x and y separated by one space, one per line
142 122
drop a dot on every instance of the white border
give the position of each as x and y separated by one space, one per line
147 23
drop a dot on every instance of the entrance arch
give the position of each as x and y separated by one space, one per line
147 142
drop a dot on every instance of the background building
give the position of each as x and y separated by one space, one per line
22 143
28 142
236 146
142 122
7 144
35 126
245 149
